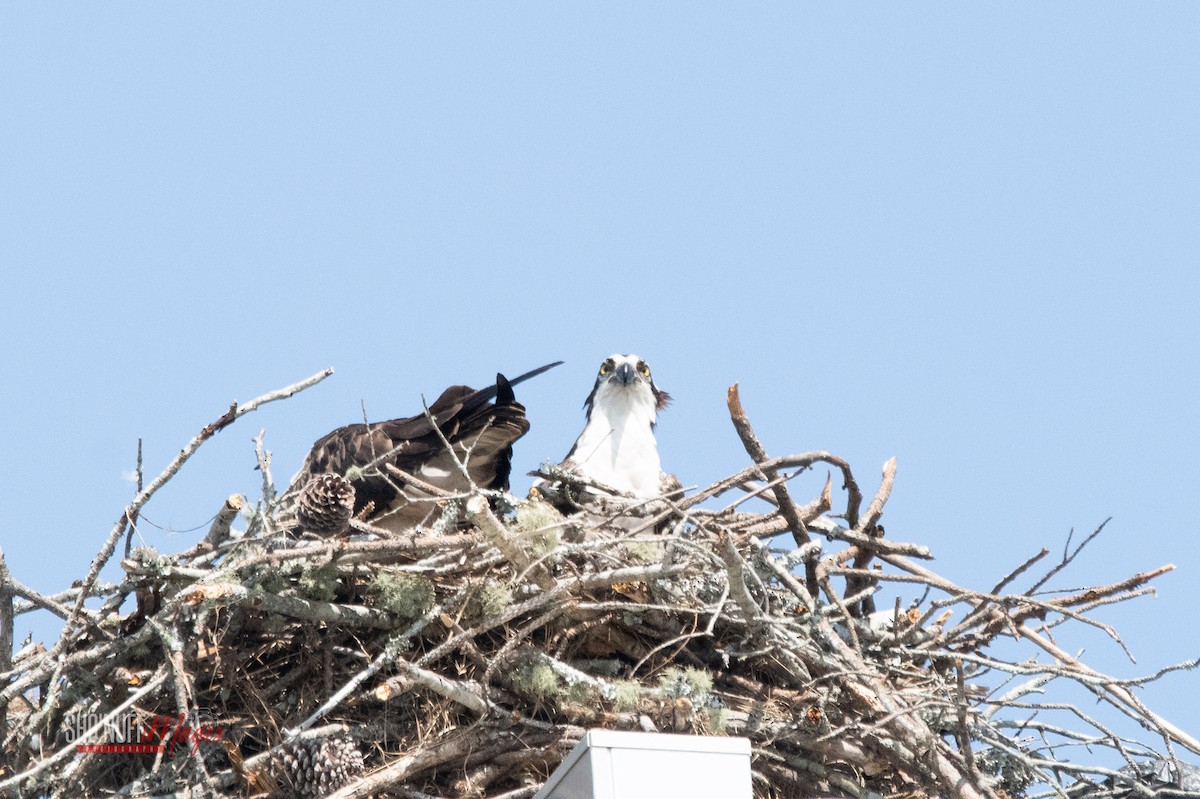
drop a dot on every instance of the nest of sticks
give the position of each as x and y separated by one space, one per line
468 660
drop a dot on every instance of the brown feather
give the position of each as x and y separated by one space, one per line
481 425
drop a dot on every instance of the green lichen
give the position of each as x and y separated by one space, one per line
150 559
405 594
1014 775
272 581
626 695
689 682
580 693
319 583
540 525
538 681
717 719
489 601
644 552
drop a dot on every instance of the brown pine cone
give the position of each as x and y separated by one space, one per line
326 504
312 768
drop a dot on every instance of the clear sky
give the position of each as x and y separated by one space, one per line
961 234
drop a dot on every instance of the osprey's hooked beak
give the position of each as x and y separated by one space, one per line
624 374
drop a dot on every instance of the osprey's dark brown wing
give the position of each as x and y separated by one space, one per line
481 425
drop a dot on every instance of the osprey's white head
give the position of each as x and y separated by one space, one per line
617 446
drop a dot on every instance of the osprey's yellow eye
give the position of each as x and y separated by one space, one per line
603 369
645 370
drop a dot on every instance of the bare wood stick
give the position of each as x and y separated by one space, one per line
1119 695
263 456
141 484
557 474
462 467
222 594
1129 583
758 454
809 512
785 577
986 611
464 693
6 644
821 504
759 491
37 599
804 459
629 574
220 423
1069 556
383 659
500 658
1017 572
831 594
862 555
409 479
219 530
879 545
738 589
554 596
455 748
481 515
1017 608
962 728
875 509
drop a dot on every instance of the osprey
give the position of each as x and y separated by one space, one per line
617 446
481 426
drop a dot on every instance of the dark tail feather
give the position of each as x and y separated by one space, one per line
485 394
534 373
504 392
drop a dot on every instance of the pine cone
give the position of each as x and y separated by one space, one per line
326 504
313 768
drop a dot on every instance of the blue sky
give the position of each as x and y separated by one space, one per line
963 235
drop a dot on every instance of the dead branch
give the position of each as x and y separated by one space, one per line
219 530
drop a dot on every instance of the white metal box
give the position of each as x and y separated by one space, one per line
608 764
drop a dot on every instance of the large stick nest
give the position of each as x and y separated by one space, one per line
468 659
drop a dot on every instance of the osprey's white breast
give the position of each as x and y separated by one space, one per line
617 447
